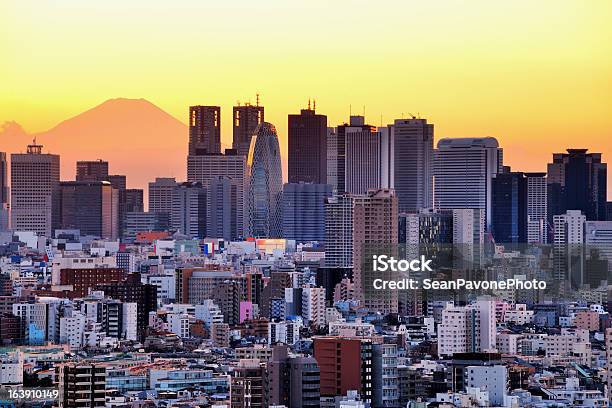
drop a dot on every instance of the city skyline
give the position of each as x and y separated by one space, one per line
536 87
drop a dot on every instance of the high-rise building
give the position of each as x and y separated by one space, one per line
427 227
134 200
204 130
332 158
509 208
537 208
339 232
292 381
577 180
245 120
364 157
222 209
91 207
160 194
374 225
304 211
188 214
96 170
345 364
82 385
265 184
464 169
468 329
385 391
568 246
247 389
468 237
307 137
4 193
230 167
413 167
35 191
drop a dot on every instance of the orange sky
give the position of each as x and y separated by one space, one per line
536 75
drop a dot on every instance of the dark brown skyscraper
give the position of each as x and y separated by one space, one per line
92 170
307 147
246 119
204 130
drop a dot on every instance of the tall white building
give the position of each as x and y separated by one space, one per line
463 172
466 329
537 208
313 306
569 246
413 163
468 235
188 214
332 158
339 231
35 191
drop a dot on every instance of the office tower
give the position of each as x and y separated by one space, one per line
188 213
364 157
82 385
4 193
204 130
509 208
464 169
304 211
307 137
246 119
136 222
91 207
230 167
160 194
134 200
468 237
292 381
332 158
413 181
568 246
118 181
598 241
96 170
427 227
265 184
339 232
350 367
222 209
374 226
577 181
537 208
35 191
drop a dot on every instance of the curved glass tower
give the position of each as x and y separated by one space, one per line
265 183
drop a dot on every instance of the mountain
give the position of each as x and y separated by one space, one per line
136 137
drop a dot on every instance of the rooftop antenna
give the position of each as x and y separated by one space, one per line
308 103
257 99
350 110
314 104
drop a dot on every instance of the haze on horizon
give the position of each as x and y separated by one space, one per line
535 75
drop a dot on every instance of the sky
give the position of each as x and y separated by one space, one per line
537 75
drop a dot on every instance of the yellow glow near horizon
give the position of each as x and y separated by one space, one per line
536 75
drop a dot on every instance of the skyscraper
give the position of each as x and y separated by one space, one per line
577 181
206 168
364 157
134 201
307 136
188 213
304 211
339 232
265 183
246 119
374 223
4 193
91 207
537 208
160 195
35 191
464 169
204 130
413 181
222 209
509 207
96 170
